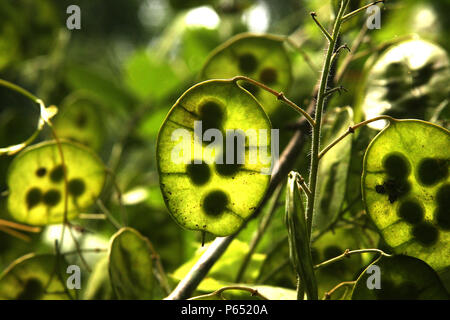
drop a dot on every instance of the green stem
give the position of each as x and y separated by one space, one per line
347 253
314 166
352 130
20 90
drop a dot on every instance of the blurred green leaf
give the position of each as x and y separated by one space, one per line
149 76
36 182
131 266
402 277
36 277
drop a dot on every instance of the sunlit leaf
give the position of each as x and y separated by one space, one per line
213 195
260 57
36 182
333 168
401 277
131 265
406 190
410 80
79 121
36 277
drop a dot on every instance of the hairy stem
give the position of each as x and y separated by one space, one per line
314 166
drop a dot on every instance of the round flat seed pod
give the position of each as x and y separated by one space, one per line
410 80
406 189
80 121
131 265
36 182
260 57
35 277
214 176
399 278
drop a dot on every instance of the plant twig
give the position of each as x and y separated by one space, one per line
328 294
352 129
324 31
280 96
347 253
355 12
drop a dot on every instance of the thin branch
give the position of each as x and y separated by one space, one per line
349 57
352 129
347 253
219 292
328 294
257 236
336 53
324 31
301 184
108 214
280 96
337 89
19 226
353 13
15 233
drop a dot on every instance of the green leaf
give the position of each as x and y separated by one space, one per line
406 190
402 277
410 80
36 277
36 182
213 196
298 236
131 266
80 121
260 57
333 168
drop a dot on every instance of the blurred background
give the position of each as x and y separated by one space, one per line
129 63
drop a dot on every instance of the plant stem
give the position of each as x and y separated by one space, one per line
314 166
328 294
352 130
347 253
279 95
265 221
